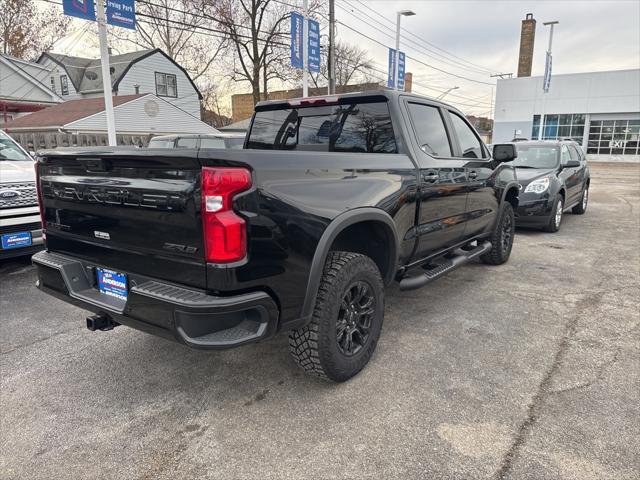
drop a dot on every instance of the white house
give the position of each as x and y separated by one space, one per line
22 88
146 71
141 115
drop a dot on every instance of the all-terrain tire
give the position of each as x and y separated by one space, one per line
502 237
320 348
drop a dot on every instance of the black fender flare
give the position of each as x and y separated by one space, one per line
509 186
334 228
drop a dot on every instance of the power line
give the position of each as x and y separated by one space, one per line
421 47
427 42
413 58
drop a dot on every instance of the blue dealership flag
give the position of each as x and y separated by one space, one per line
546 83
313 47
121 13
84 9
296 40
392 67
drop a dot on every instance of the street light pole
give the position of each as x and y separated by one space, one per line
106 75
305 49
401 13
546 80
332 47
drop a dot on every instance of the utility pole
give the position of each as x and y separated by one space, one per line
106 75
305 50
401 13
332 47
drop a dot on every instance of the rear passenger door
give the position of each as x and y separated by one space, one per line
442 198
482 205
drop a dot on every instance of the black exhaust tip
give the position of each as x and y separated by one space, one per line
100 322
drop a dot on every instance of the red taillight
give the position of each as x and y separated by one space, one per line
40 199
225 233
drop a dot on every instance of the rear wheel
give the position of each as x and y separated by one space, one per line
555 219
502 237
346 322
581 208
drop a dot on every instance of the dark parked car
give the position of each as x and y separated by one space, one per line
334 198
214 140
554 178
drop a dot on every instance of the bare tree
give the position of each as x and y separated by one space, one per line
353 65
182 29
259 34
26 31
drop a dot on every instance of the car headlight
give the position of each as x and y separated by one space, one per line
538 186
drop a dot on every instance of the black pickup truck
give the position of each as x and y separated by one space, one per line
332 199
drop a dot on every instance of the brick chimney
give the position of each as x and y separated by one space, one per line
408 81
527 40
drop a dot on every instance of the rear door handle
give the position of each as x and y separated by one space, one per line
432 177
473 174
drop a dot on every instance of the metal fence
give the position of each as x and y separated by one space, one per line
34 141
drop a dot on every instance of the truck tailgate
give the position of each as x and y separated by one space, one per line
129 210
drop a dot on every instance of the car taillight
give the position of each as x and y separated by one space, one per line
225 233
40 199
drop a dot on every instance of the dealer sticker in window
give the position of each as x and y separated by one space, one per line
112 283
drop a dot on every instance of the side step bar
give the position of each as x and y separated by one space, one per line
461 257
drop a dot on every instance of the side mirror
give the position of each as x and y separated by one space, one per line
571 164
504 152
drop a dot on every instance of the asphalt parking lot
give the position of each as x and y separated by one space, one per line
530 370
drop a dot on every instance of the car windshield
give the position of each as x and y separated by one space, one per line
536 156
161 143
10 151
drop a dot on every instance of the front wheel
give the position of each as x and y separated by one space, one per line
553 225
346 322
502 237
581 208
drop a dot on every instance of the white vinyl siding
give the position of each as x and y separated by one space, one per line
143 72
56 72
15 84
145 115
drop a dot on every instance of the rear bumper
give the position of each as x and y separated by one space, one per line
185 315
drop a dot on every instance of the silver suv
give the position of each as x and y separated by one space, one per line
20 227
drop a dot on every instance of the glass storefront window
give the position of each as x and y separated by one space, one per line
614 137
557 126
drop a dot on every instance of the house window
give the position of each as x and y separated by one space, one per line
614 137
64 85
166 85
555 127
53 84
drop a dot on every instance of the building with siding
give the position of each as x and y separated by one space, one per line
23 88
146 71
599 110
83 122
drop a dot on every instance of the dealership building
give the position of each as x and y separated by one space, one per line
599 110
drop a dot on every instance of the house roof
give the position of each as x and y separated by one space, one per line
86 75
21 68
67 112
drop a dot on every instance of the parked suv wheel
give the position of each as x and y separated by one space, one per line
556 215
346 322
582 206
502 237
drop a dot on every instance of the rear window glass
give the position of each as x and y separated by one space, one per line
187 143
235 143
357 127
212 143
160 143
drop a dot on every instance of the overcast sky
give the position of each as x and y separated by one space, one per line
592 35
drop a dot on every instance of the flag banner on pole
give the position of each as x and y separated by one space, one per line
296 40
546 83
313 46
121 13
84 9
392 69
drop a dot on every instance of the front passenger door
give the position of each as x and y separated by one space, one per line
482 205
571 176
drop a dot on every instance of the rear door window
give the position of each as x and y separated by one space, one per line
430 130
348 127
